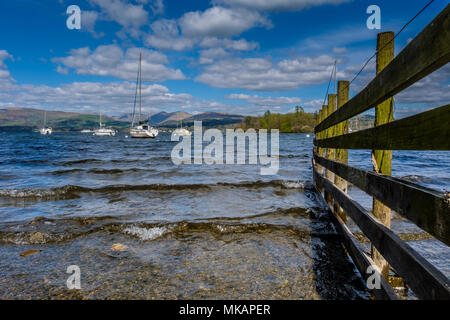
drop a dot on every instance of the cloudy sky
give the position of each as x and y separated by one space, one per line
236 56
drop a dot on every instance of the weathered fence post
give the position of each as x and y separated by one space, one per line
382 159
331 153
318 150
341 154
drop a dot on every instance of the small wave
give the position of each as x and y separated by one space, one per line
180 229
292 156
106 171
113 161
83 161
119 171
37 237
71 192
284 184
293 184
65 192
101 171
417 178
42 230
26 162
63 172
146 234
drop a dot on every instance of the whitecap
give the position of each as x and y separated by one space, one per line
146 234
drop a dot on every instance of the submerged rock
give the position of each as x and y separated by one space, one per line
119 247
29 252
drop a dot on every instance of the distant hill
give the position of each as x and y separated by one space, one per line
172 119
176 116
27 119
209 119
157 118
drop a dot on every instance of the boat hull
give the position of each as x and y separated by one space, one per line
144 133
182 133
104 133
45 131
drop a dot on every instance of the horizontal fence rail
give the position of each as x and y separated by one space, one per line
361 260
427 208
429 51
424 279
429 130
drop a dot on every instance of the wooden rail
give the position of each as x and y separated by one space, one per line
430 130
427 208
425 131
425 280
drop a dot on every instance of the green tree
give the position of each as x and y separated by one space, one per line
299 109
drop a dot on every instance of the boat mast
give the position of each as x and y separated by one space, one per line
140 87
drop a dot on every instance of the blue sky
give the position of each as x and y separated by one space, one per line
236 56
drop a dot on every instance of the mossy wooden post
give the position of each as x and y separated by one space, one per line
382 159
320 151
341 154
319 168
331 153
323 135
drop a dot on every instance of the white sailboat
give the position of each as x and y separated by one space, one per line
140 129
45 130
181 131
102 130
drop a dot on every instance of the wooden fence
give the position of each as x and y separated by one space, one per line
428 209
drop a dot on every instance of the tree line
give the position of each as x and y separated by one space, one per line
297 122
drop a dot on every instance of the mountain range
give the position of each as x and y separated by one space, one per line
27 119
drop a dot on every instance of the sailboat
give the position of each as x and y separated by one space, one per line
140 129
45 130
102 130
181 131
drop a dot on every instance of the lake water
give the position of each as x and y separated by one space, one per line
191 231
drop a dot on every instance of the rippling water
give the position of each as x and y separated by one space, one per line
192 231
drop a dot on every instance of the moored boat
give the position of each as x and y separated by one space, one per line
140 129
181 131
102 130
45 130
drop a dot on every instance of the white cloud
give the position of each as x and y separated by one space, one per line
130 16
221 22
111 60
433 90
315 104
209 55
339 50
4 55
166 36
157 6
88 21
112 97
261 74
265 101
6 81
237 45
278 5
62 70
